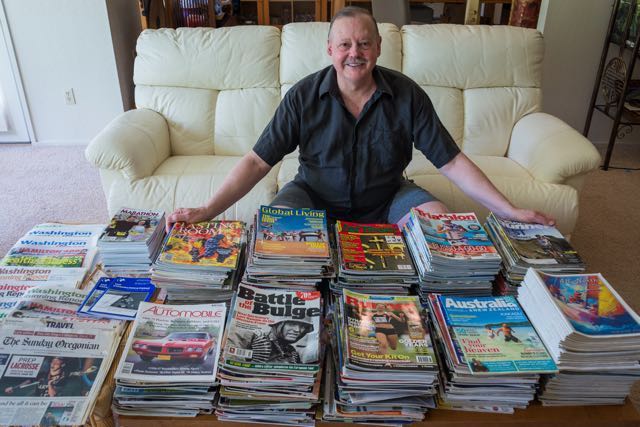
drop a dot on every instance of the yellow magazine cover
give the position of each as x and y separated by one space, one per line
214 244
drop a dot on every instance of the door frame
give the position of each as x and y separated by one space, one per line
15 73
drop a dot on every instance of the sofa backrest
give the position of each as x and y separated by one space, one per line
481 79
219 88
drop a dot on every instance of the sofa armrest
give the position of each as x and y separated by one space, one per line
551 150
134 143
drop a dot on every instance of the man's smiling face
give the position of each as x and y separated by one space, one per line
354 47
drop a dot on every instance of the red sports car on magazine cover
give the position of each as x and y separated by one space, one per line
194 346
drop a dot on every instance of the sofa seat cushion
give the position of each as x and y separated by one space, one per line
189 181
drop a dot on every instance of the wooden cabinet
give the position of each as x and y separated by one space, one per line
282 12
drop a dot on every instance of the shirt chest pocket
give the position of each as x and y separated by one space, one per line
386 150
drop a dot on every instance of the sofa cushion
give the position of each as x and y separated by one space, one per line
198 66
188 181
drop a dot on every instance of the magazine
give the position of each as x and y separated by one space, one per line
209 244
291 232
173 344
133 225
37 256
385 332
495 335
372 247
536 244
119 299
453 235
49 376
273 330
590 304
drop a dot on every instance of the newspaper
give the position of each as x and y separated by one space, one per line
274 330
42 274
173 344
12 293
51 377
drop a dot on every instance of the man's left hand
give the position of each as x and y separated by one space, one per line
529 215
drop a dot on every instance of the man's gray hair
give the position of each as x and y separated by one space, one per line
352 12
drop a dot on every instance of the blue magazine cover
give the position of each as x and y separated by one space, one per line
495 335
121 298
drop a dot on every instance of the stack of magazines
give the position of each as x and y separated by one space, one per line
53 245
200 262
383 368
131 241
53 363
523 245
372 259
289 248
452 252
491 357
592 334
270 365
168 366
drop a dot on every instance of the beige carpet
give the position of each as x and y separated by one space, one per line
39 184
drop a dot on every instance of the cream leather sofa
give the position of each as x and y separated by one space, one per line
204 96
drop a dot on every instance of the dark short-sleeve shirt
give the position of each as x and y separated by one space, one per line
351 164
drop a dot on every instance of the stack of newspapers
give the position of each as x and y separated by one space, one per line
271 359
383 367
452 252
54 245
53 362
592 334
289 248
373 258
168 366
523 245
200 262
131 241
491 357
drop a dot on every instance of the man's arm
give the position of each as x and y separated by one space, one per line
242 178
474 183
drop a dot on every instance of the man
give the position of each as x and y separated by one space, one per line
276 345
355 125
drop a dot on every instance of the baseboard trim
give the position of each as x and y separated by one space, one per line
59 142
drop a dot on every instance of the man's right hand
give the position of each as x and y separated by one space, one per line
188 215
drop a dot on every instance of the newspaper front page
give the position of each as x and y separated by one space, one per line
50 376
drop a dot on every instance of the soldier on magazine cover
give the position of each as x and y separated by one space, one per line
276 344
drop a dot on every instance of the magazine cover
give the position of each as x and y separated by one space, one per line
133 225
296 232
385 332
212 244
495 335
373 247
274 329
173 343
454 235
121 298
537 243
591 305
50 376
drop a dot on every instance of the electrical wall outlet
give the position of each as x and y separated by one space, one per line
69 97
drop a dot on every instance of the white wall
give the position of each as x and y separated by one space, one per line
574 33
65 44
